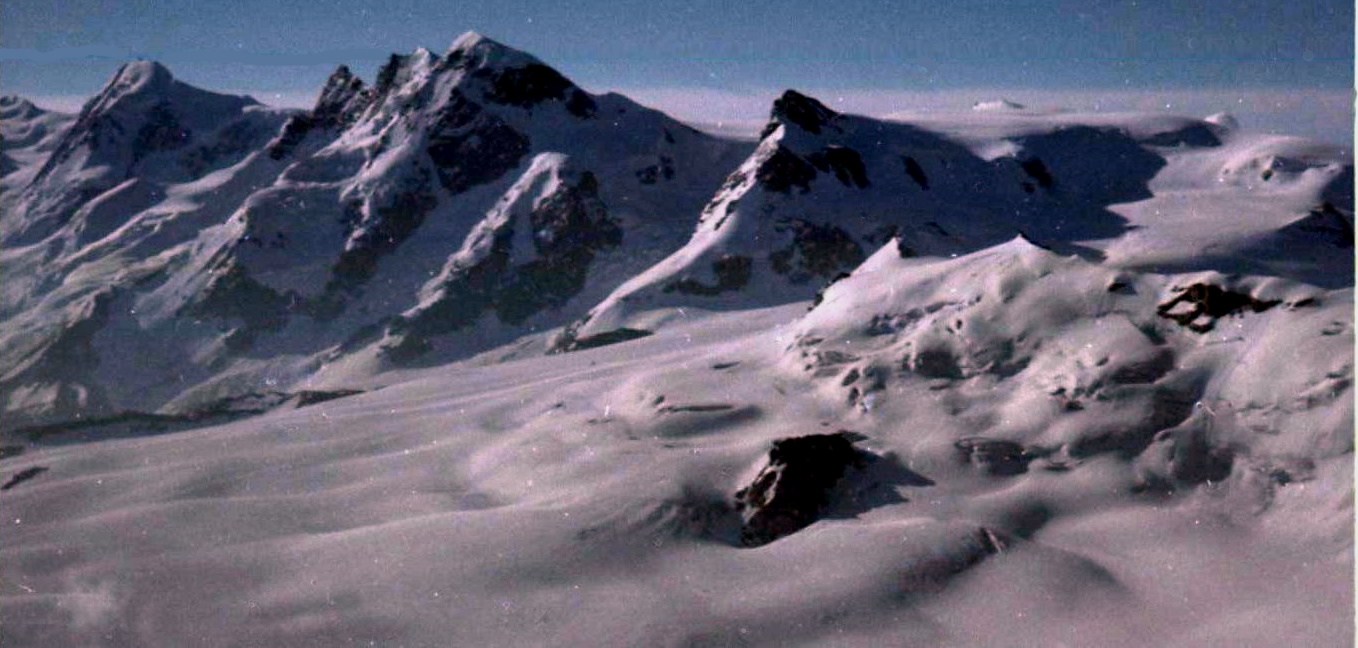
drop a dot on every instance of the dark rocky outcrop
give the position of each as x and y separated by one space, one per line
470 146
1193 459
1199 306
23 476
1038 171
312 397
800 110
233 293
341 100
795 487
816 251
569 228
161 132
732 272
603 339
820 294
1199 135
530 85
784 170
390 226
845 163
916 172
664 169
294 131
340 103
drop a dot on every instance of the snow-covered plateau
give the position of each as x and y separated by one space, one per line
468 355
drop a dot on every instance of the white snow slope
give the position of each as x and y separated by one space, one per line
1131 425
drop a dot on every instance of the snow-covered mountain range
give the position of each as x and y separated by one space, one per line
1002 377
179 247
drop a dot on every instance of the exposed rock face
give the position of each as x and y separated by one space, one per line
533 84
816 251
1199 306
796 108
785 170
23 476
572 343
567 229
916 172
664 169
470 146
161 132
1199 135
732 273
795 487
342 98
1038 171
380 234
234 294
339 105
845 163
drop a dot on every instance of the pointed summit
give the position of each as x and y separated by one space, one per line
473 50
141 113
515 78
799 110
142 76
141 84
341 98
469 40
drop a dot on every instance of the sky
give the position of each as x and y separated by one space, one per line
1283 65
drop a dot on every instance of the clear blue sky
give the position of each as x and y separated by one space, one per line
281 50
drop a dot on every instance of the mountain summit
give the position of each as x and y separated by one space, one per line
457 200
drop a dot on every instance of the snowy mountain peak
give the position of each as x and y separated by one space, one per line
141 76
145 125
469 40
797 109
140 85
341 92
472 50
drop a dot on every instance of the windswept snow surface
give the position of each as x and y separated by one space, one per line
1097 368
580 499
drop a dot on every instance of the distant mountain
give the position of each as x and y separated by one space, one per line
143 129
824 189
179 246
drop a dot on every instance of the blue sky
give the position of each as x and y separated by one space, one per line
712 60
